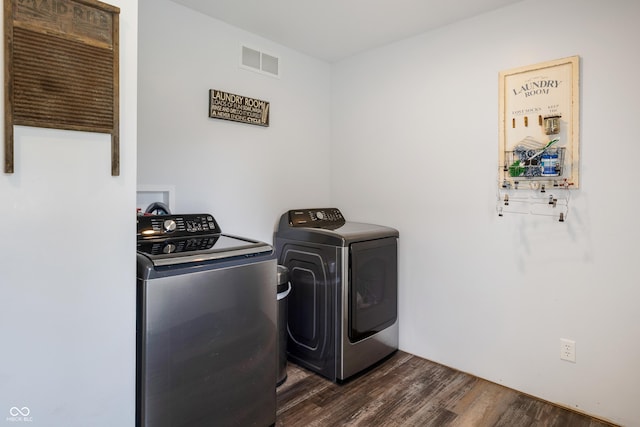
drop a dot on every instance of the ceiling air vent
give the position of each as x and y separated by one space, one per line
261 62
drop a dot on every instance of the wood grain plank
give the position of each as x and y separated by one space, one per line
406 390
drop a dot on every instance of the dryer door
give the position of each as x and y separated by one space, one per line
311 325
373 287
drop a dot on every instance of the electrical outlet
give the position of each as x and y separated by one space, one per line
568 350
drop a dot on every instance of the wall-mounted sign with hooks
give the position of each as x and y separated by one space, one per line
539 125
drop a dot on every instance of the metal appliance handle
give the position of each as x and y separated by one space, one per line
284 294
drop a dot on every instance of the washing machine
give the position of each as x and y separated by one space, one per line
206 325
343 304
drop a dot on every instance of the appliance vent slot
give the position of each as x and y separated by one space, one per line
261 62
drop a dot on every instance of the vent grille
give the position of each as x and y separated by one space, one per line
261 62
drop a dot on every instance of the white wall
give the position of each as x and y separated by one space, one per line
67 268
415 144
245 175
413 131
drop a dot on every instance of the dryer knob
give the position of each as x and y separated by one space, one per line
169 225
320 215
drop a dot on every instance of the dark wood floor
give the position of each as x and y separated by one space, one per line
406 390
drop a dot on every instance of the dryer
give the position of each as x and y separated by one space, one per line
343 305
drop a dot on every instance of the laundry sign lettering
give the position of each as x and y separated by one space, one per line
539 86
72 19
238 108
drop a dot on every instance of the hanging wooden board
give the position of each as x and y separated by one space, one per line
238 108
61 69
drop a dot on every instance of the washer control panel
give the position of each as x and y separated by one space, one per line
318 218
153 226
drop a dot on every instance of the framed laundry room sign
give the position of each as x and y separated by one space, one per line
62 69
539 112
238 108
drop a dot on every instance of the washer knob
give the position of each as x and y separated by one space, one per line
169 225
169 248
320 215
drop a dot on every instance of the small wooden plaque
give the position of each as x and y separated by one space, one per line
238 108
61 69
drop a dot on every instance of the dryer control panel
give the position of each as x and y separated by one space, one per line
318 218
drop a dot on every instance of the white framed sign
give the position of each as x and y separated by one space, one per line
539 106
